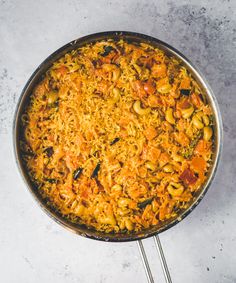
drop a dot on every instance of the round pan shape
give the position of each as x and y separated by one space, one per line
36 77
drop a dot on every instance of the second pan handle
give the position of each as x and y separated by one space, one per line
162 259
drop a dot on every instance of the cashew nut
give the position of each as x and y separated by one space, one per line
199 120
52 97
163 86
169 116
116 188
122 211
116 74
205 120
150 166
186 113
116 94
109 219
175 189
129 224
124 202
114 69
207 133
168 168
177 158
141 111
79 210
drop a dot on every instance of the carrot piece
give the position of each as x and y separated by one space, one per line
62 70
188 177
138 88
184 104
185 83
159 70
149 87
164 158
150 133
154 101
198 164
162 213
202 148
196 100
153 154
182 138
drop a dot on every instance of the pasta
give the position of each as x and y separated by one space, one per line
118 136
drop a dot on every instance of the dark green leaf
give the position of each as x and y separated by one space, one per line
95 171
51 181
107 50
49 151
185 91
115 141
54 105
77 173
143 204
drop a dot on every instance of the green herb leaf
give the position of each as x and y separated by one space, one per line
95 171
145 203
77 173
107 50
185 92
115 141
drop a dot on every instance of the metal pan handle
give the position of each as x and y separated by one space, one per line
162 259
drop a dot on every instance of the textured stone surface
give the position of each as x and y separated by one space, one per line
35 249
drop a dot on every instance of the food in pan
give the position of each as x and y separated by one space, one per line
118 136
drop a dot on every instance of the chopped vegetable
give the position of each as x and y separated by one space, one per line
144 203
185 92
188 177
54 104
49 151
194 142
51 181
152 154
199 164
184 103
187 152
149 87
196 99
107 50
115 141
150 133
62 70
77 173
95 171
202 148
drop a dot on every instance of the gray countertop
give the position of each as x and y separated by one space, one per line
35 249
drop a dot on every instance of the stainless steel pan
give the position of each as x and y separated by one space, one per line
17 132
